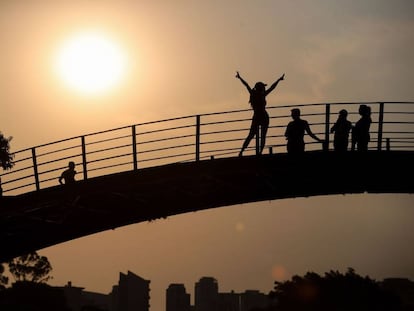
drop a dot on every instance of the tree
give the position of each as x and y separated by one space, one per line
3 279
30 267
334 291
6 158
29 296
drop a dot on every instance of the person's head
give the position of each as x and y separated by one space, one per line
295 113
260 86
343 113
71 165
364 110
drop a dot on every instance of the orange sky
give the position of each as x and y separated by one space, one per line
182 58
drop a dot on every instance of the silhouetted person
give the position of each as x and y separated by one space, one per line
260 116
68 175
295 132
341 128
360 132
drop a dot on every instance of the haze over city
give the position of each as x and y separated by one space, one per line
173 58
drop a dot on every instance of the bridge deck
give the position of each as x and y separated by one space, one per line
39 219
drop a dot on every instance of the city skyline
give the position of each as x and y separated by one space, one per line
207 294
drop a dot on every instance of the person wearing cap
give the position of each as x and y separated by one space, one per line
295 132
260 116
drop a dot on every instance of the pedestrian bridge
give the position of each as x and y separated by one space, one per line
153 170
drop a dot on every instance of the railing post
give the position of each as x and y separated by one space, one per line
36 174
380 125
134 147
197 146
85 170
327 127
388 146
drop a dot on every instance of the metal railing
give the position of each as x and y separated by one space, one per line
195 138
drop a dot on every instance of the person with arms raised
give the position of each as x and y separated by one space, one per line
260 120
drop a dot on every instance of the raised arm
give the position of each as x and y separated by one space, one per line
273 86
244 82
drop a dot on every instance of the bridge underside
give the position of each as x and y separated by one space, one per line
40 219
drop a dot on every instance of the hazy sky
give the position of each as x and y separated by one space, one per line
181 58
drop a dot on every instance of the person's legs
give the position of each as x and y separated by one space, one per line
252 132
263 137
264 128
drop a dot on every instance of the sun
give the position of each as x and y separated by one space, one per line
90 63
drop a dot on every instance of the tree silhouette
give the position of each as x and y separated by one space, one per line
334 291
30 267
29 296
6 158
3 279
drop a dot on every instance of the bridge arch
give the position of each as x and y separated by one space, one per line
201 179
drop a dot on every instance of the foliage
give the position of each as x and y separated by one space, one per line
29 296
30 267
3 279
334 291
6 158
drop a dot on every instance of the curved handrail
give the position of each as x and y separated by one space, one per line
194 138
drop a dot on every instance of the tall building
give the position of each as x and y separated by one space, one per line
177 299
73 295
252 299
131 293
229 301
78 299
206 294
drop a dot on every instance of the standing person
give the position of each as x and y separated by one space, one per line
260 116
360 132
295 132
341 128
68 175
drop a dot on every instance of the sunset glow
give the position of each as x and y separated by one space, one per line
131 87
90 63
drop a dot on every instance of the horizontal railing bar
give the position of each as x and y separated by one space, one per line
165 130
165 148
58 160
109 166
109 149
109 158
167 157
224 131
22 186
53 170
106 140
226 121
221 141
17 179
56 151
397 132
164 139
21 160
17 170
398 122
50 179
